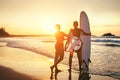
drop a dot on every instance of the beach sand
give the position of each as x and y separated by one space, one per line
19 64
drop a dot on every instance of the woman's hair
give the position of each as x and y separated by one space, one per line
57 26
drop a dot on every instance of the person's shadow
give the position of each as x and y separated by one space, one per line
82 76
54 77
70 75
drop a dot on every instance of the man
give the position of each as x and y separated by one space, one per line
76 32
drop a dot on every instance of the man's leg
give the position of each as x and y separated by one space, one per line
79 55
70 60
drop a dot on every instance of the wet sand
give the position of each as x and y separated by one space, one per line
10 74
19 64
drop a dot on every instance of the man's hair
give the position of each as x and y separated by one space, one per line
75 22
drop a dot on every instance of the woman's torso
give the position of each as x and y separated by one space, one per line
60 38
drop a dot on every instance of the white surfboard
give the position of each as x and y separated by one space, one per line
73 44
86 39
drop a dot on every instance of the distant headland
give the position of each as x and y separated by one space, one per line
3 33
108 34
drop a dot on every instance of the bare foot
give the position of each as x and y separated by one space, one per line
58 70
69 70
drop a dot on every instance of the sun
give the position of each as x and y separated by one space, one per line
51 30
48 26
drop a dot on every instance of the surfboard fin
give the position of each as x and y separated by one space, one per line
89 60
85 64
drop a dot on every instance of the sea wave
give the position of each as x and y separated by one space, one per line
35 45
105 59
99 40
112 45
106 40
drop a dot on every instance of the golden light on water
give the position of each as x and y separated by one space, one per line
51 60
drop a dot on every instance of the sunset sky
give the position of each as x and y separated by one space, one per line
40 16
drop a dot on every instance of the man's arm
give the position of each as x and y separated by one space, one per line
85 32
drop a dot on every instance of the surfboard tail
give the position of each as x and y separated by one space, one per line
85 65
89 60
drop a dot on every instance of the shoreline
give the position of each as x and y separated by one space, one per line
28 62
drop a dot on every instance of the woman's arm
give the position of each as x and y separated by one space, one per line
68 35
70 31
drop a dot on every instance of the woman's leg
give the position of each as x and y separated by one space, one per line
55 61
60 58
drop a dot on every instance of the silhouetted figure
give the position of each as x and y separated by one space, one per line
59 48
76 32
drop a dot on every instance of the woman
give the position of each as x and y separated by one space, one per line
59 48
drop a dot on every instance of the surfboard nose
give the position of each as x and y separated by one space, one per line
83 12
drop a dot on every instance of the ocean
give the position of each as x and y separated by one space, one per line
105 52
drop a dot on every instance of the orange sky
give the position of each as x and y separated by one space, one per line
40 16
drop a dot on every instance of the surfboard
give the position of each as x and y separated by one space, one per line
86 40
73 44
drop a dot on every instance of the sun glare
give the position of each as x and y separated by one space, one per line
49 27
51 60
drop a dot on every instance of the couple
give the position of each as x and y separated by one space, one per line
59 46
